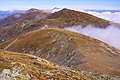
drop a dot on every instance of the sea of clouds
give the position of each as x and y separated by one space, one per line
109 35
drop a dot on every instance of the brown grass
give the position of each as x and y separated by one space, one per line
67 17
37 68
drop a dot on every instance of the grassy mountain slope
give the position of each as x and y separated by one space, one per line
69 49
67 17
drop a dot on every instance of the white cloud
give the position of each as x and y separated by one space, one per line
115 17
109 35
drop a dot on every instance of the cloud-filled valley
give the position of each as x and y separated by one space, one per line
109 35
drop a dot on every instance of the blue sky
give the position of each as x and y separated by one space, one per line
48 4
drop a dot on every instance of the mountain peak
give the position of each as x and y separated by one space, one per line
56 8
64 9
68 17
33 10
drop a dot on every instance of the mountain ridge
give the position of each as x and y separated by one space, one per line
67 17
30 14
29 24
69 49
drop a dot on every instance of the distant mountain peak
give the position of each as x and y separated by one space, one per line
56 9
33 10
65 9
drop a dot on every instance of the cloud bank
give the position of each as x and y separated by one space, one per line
109 35
115 17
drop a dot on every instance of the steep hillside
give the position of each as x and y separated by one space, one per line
20 23
10 19
70 49
14 30
32 14
67 17
19 66
4 14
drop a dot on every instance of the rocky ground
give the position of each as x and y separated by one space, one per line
19 66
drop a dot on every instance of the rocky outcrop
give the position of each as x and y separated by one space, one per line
18 66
